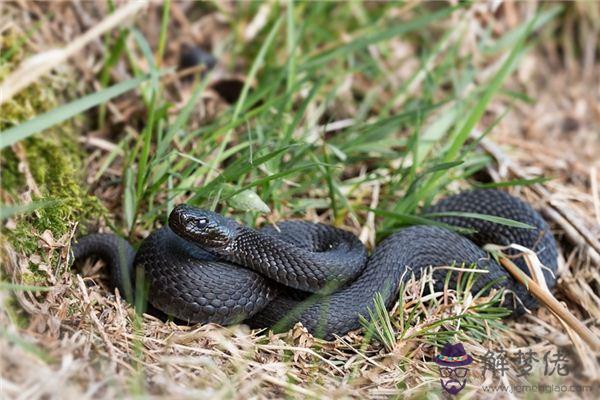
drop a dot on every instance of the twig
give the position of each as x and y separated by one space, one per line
290 386
595 192
307 350
547 299
40 64
569 231
92 314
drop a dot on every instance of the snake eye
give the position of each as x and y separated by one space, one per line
202 222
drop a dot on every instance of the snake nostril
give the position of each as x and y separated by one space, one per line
183 219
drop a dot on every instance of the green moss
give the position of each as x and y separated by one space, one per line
55 165
53 158
33 277
55 162
15 312
10 177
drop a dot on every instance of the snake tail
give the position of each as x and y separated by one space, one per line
116 252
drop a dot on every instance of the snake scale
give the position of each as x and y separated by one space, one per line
204 267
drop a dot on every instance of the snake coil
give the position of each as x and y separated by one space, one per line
204 267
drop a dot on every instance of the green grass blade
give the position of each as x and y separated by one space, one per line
29 288
514 182
483 217
462 132
234 171
8 211
381 35
62 113
164 25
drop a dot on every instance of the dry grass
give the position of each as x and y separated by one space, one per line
80 341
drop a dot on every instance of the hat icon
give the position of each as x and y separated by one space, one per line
453 355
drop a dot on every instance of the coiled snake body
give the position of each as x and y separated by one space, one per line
205 267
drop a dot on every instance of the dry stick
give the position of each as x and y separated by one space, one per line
547 299
42 63
92 314
569 231
307 350
287 385
595 192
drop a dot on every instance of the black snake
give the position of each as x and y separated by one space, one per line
204 267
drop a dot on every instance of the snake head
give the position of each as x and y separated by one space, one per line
208 229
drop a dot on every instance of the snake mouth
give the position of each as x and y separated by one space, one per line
205 228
